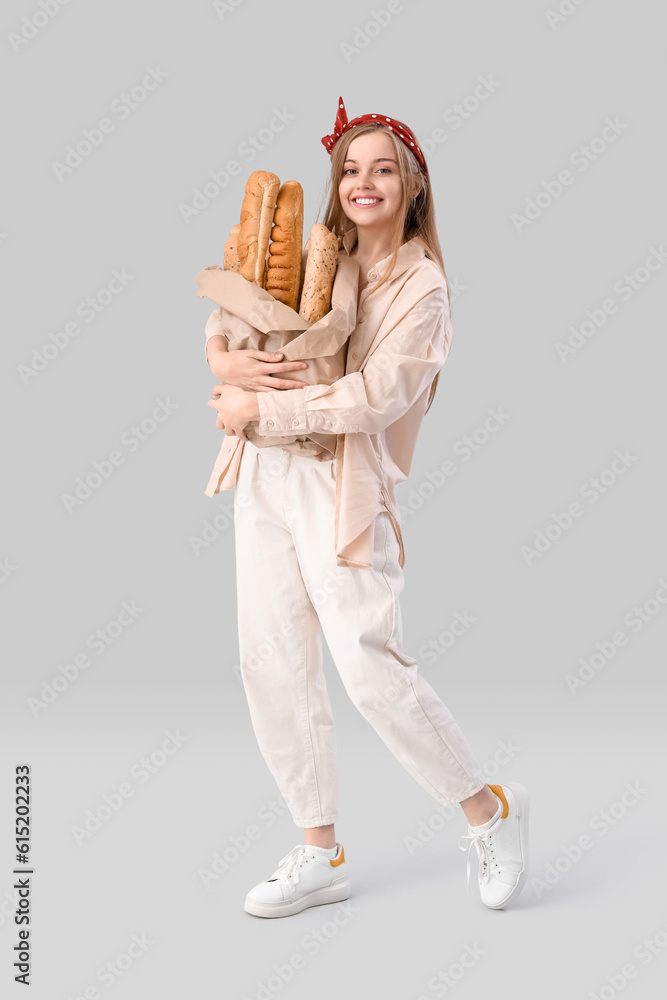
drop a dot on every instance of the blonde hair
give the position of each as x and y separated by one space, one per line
412 222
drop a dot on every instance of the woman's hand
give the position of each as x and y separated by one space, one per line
236 408
252 370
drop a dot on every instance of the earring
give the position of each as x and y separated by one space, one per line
414 201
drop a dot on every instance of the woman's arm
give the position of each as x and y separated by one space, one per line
248 369
396 374
216 342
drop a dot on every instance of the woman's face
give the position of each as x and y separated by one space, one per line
370 188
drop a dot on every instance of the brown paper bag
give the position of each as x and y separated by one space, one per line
252 318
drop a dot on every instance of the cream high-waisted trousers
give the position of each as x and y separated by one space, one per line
289 589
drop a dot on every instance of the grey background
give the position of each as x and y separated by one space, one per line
175 667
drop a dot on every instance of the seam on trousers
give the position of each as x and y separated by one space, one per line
451 753
305 645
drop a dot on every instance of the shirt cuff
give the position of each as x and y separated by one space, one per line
282 411
214 326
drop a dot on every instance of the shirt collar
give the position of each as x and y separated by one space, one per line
408 253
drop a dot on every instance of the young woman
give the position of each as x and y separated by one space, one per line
318 538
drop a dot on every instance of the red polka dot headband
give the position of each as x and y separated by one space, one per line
401 130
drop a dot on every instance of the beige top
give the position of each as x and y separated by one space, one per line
374 412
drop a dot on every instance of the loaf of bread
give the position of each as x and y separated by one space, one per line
319 275
265 247
257 210
231 260
285 249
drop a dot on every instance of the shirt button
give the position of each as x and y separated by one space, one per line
372 274
269 423
356 354
295 422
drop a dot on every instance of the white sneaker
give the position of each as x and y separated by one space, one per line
503 848
304 877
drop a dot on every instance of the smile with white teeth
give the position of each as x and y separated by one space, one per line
366 201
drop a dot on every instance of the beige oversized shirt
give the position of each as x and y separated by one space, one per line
374 412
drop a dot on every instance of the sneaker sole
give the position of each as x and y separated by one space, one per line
333 893
522 798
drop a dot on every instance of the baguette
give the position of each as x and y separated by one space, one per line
257 209
319 274
231 260
285 249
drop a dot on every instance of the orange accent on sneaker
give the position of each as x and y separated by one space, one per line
498 789
338 861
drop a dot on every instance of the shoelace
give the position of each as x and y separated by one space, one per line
482 842
288 867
